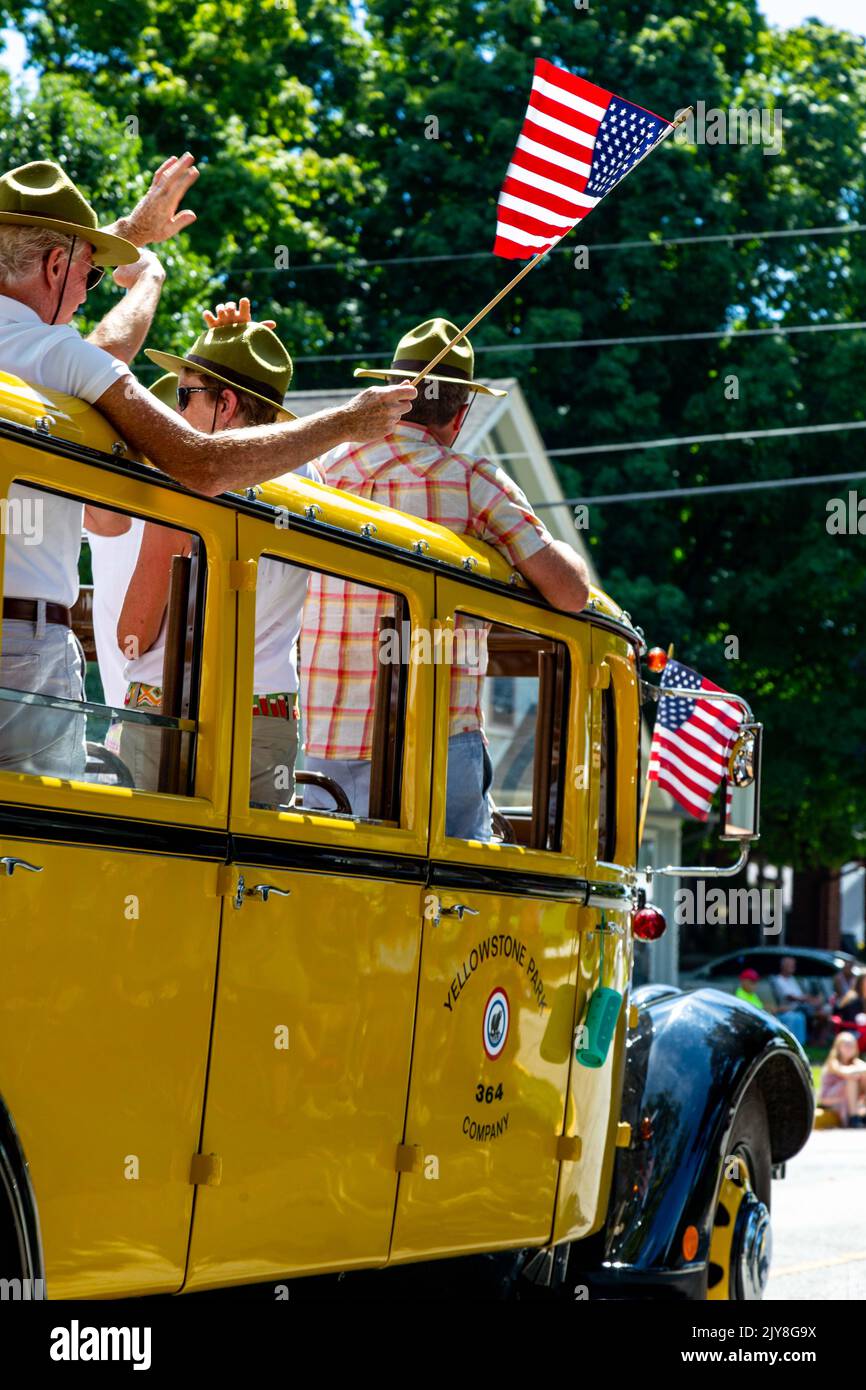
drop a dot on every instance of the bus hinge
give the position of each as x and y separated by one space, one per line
409 1158
227 880
599 677
242 575
623 1135
568 1148
206 1170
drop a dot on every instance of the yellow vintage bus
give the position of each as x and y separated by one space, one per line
243 1043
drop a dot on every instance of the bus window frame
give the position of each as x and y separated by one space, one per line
479 601
106 484
303 547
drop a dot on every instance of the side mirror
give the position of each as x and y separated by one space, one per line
742 787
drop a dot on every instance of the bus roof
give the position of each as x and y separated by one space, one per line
71 420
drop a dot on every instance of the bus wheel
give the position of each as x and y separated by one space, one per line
741 1242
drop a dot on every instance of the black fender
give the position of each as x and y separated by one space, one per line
688 1064
20 1237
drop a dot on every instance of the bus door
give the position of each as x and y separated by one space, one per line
112 830
484 1132
605 942
322 921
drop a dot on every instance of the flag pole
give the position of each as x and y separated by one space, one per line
530 265
648 787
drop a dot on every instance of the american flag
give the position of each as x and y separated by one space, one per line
578 141
691 740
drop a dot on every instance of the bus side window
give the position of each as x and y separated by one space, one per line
329 690
507 722
607 780
73 704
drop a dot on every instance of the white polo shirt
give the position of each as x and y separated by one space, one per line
42 560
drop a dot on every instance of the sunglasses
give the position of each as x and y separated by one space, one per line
94 275
184 393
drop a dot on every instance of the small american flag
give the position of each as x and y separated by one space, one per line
578 141
691 740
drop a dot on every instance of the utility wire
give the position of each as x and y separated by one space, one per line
633 340
650 242
664 493
638 445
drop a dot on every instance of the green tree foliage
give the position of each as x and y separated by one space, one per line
383 131
64 122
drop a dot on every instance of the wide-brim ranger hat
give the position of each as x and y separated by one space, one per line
245 356
420 345
43 195
165 390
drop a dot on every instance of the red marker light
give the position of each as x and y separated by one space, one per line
657 658
648 924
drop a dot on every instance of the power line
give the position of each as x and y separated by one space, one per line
634 340
651 243
664 493
639 445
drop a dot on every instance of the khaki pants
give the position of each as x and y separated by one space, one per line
44 659
272 757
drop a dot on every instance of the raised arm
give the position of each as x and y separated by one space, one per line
155 218
124 328
237 459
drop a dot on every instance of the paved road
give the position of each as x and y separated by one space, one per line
819 1221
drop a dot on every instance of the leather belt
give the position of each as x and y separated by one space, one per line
27 609
281 705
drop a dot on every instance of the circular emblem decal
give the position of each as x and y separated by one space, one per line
497 1015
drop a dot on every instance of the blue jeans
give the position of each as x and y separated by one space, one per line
467 805
470 777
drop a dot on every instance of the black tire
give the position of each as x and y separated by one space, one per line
750 1137
749 1140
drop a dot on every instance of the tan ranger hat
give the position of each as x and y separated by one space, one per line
247 356
42 195
420 345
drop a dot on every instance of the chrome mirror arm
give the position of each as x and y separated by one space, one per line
655 692
690 871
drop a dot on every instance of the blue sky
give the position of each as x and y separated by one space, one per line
13 57
842 14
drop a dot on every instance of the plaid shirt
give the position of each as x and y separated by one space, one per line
413 472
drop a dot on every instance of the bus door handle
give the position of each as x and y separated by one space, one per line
10 864
264 891
260 890
458 910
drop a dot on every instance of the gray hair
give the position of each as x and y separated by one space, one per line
22 249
